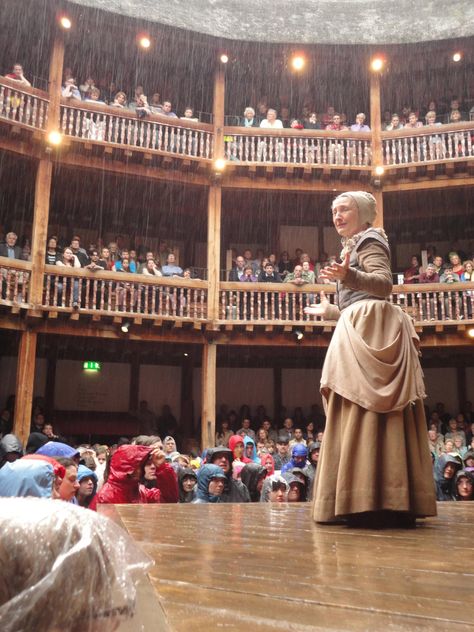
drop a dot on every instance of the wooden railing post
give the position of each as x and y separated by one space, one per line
376 127
25 378
208 385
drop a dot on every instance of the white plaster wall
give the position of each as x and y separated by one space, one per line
160 385
104 391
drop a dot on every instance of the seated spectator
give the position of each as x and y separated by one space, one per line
412 274
169 447
187 479
9 248
70 90
336 124
119 265
268 462
308 273
151 269
271 432
237 272
171 269
137 98
86 87
359 125
120 100
234 491
464 486
274 490
467 273
35 441
253 476
287 428
65 569
413 122
455 261
453 430
95 263
224 433
210 484
445 470
269 275
449 276
126 471
285 265
296 277
296 489
246 430
328 117
312 122
431 119
439 264
282 456
11 449
249 119
52 254
236 446
78 251
435 442
250 450
48 431
298 438
395 124
248 276
271 121
429 275
296 124
167 110
17 75
155 103
69 484
189 115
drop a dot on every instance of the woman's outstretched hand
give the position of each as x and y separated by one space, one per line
318 309
336 271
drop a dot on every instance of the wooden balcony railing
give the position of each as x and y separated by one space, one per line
115 293
15 282
137 295
428 144
102 123
22 104
289 146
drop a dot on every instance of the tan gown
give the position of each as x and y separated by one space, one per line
374 454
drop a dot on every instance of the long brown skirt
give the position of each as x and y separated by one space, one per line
371 461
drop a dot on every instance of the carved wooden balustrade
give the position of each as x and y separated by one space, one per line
290 146
425 145
23 105
15 282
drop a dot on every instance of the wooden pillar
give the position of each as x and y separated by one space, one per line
376 127
219 111
208 378
44 174
213 249
25 379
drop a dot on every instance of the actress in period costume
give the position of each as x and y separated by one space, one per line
375 467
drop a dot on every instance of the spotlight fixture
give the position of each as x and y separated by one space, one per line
457 57
125 326
144 41
65 22
219 165
379 170
298 62
299 335
186 355
55 138
224 58
377 64
470 332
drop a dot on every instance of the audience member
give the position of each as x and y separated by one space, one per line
210 484
17 75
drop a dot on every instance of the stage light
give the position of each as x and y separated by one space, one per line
224 58
298 62
55 138
219 165
377 64
299 335
457 57
186 355
470 332
125 327
65 22
144 41
379 171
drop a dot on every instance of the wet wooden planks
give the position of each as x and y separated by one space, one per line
266 567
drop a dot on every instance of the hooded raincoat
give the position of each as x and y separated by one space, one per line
250 475
27 477
186 472
204 477
299 450
445 487
82 473
10 444
234 490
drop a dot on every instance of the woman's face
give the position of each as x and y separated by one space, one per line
345 217
268 465
249 450
294 493
414 262
101 458
310 427
188 484
169 446
68 254
465 488
239 450
149 472
278 495
468 267
455 260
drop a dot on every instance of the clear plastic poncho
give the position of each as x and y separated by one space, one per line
63 567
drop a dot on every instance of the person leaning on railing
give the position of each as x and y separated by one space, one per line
17 75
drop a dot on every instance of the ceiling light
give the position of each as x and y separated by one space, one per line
65 22
219 165
299 335
125 327
457 57
144 41
298 62
470 332
379 170
224 58
55 138
377 64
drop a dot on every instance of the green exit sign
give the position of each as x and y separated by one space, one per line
89 365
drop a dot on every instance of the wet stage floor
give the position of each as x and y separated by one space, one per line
264 567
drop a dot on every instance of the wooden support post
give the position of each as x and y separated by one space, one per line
377 149
213 249
208 412
219 111
25 380
55 80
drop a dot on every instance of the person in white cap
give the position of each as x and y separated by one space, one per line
375 467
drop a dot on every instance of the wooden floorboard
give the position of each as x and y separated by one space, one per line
265 567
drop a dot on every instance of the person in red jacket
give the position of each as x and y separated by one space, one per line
126 470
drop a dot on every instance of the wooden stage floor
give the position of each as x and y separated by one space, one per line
261 567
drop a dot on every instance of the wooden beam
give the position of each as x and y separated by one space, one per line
214 206
208 377
25 379
376 119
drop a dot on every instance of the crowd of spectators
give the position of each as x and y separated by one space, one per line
254 459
